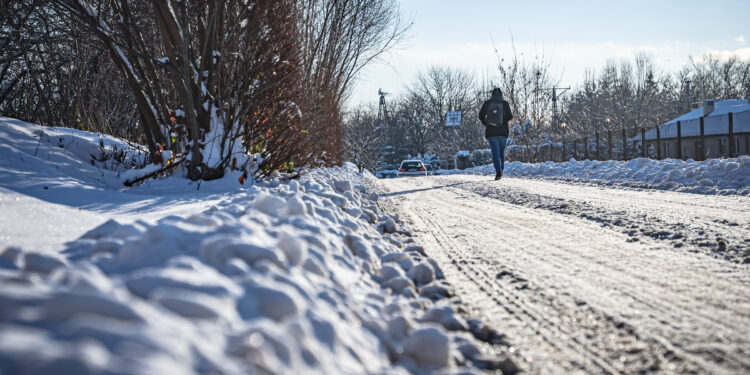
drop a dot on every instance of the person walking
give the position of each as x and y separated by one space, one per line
494 115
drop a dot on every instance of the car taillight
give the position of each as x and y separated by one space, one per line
422 169
402 170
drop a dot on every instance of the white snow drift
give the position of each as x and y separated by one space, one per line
713 176
305 276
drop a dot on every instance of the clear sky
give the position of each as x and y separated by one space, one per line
574 35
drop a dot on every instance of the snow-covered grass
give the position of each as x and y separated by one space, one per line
300 276
31 153
49 173
713 176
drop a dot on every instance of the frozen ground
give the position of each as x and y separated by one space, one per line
171 277
592 278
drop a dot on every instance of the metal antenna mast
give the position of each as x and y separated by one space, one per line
382 109
383 123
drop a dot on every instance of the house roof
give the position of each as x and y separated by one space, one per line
717 122
721 107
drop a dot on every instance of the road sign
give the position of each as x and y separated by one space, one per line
453 118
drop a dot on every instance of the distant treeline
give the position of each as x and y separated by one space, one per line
622 94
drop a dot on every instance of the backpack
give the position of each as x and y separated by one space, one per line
495 114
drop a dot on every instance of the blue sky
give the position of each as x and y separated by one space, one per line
574 35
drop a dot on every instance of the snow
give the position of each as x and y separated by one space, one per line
60 223
133 174
587 279
713 176
429 347
171 276
721 107
52 181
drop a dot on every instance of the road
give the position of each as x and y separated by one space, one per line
591 279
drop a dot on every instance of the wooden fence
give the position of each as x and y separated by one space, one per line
624 144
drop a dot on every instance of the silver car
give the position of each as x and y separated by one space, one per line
411 168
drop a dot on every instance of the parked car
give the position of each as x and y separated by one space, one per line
412 168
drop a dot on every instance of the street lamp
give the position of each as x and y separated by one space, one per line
564 149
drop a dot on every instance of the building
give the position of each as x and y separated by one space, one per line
716 128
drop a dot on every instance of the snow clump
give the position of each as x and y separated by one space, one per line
305 276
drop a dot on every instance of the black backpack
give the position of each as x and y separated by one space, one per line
495 114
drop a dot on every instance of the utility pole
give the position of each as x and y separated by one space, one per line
555 95
554 102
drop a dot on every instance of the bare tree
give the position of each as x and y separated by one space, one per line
415 123
623 96
338 39
363 137
527 85
714 77
230 69
434 92
54 72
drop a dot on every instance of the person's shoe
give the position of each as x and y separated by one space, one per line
498 176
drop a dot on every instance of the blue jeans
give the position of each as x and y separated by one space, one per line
497 145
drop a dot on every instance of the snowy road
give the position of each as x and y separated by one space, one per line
594 279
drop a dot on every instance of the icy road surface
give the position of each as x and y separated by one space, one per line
597 279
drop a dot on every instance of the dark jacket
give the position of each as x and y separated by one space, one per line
495 131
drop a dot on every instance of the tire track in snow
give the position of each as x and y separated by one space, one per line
593 338
514 308
724 238
516 304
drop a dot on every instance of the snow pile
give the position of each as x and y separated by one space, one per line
32 155
386 173
305 276
713 176
76 160
55 181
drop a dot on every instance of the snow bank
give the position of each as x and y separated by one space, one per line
305 276
713 176
61 182
32 156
